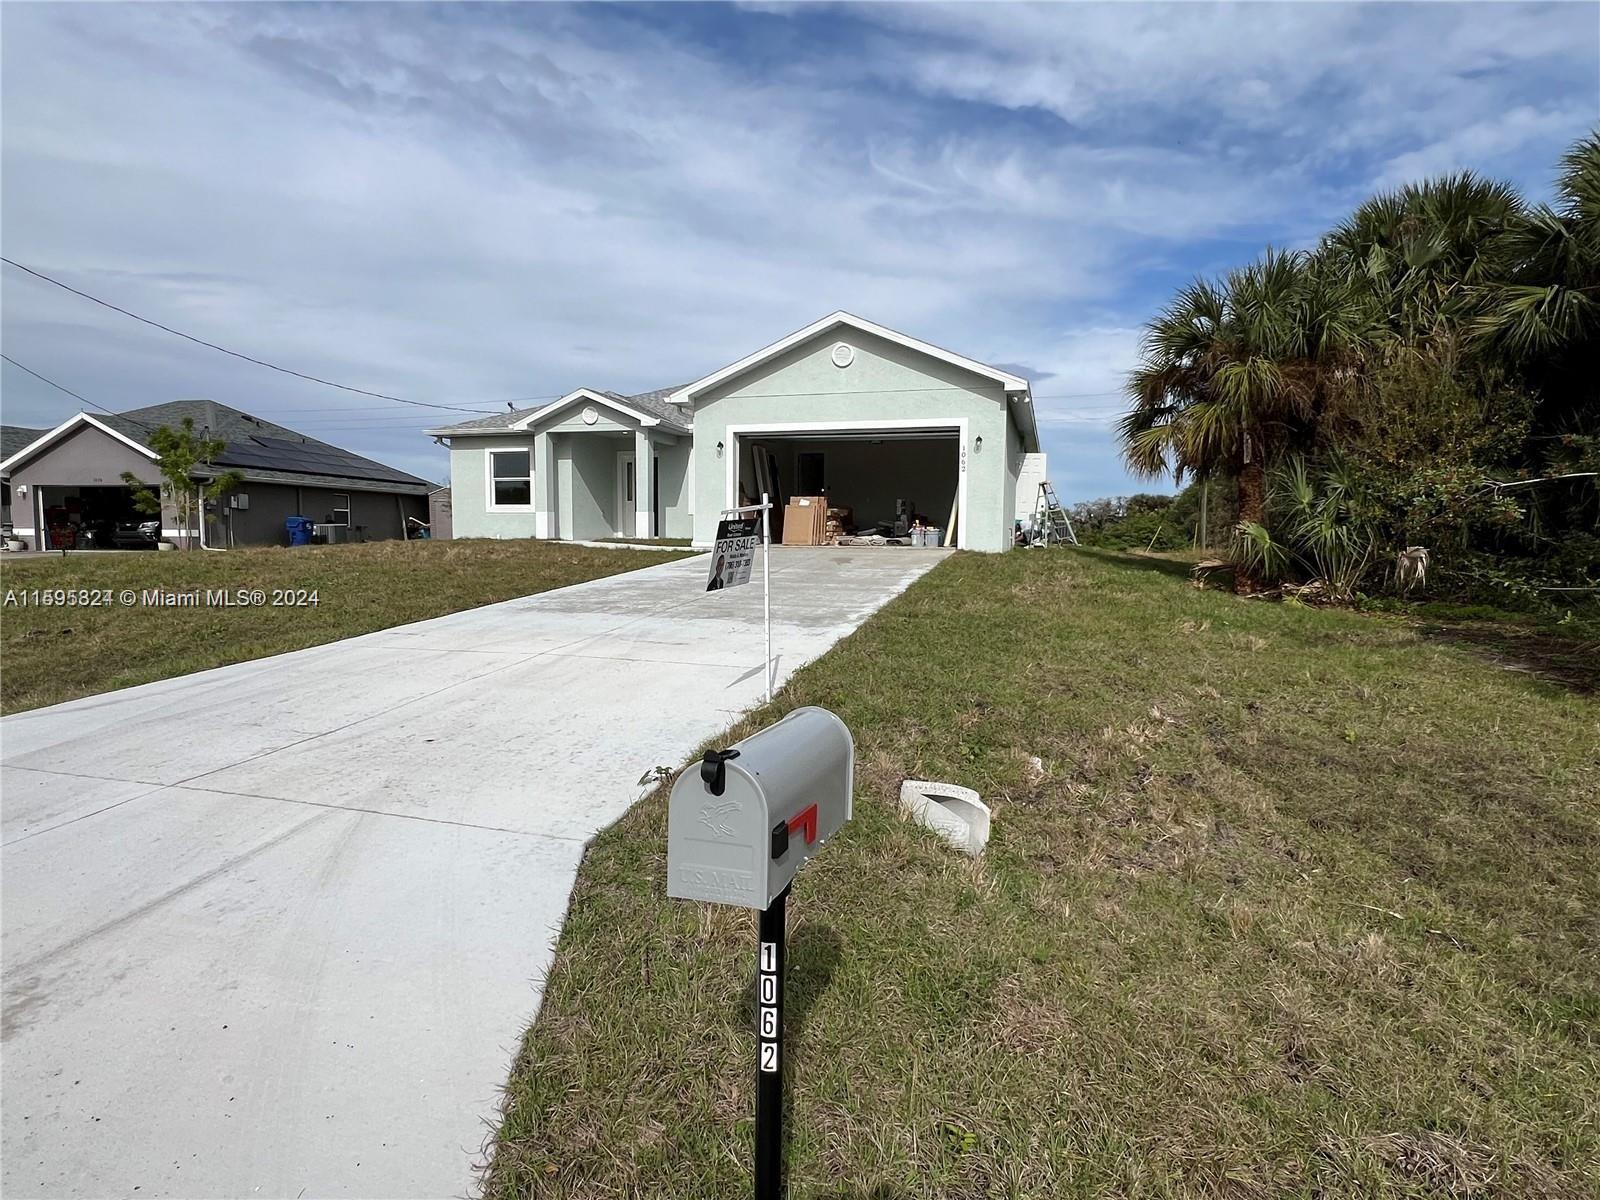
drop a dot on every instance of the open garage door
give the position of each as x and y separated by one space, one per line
93 518
887 477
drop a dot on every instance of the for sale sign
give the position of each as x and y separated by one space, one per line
734 553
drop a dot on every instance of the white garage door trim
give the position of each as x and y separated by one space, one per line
956 425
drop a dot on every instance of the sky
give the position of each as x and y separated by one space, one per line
472 205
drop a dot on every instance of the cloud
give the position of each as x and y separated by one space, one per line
473 204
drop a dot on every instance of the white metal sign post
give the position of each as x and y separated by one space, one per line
738 830
732 555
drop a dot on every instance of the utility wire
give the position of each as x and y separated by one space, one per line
234 353
57 386
450 407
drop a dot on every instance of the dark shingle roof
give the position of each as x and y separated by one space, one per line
255 444
15 437
655 404
498 421
652 404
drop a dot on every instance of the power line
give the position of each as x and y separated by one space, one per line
234 353
444 407
57 386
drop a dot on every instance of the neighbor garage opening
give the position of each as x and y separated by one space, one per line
885 479
94 518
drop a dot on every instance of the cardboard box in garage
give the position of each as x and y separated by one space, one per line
805 521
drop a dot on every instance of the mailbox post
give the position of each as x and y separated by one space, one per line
739 825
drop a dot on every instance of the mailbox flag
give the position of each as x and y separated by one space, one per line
734 553
805 823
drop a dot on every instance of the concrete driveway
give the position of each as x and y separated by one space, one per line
275 929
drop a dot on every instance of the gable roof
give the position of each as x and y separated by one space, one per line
673 408
648 408
51 437
651 406
257 448
842 319
17 437
656 403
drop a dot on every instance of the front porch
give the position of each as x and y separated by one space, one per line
591 465
597 483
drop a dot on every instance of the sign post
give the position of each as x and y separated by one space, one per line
738 829
732 555
766 585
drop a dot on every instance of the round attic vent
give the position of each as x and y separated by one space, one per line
843 354
591 415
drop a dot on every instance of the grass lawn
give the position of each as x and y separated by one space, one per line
655 541
1298 903
50 654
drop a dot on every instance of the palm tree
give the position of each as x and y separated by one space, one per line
1420 254
1233 374
1541 321
1548 300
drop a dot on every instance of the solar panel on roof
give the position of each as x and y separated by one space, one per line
306 458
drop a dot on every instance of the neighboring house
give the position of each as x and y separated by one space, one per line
873 418
67 486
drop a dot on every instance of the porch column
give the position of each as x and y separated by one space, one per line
644 468
544 486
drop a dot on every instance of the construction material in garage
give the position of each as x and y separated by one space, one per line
876 485
805 521
812 521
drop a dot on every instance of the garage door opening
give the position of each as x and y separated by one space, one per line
879 483
94 518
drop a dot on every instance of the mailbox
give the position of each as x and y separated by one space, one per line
742 820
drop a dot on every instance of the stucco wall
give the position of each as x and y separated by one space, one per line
884 382
271 503
588 490
606 420
83 458
1014 457
471 515
676 463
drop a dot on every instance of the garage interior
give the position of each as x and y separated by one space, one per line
882 487
94 518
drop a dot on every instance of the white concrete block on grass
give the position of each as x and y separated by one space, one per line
955 813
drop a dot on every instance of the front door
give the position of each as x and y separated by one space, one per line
627 495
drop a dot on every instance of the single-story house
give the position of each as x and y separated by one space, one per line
879 422
67 489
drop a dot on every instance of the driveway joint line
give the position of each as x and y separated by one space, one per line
28 837
380 812
552 651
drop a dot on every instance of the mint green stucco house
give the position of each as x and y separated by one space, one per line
869 416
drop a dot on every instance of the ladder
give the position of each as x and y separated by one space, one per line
1051 525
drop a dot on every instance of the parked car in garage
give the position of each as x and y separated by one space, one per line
127 535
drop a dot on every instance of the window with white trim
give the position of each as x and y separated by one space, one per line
339 514
510 479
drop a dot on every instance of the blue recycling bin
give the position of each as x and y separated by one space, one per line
299 529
